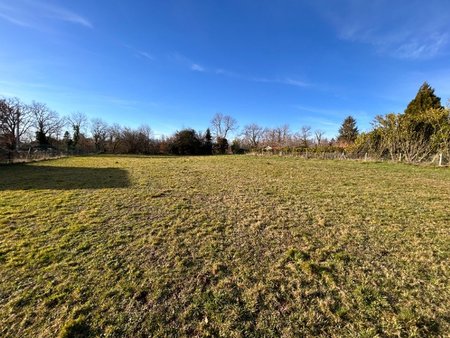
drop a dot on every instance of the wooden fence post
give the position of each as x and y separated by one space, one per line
440 159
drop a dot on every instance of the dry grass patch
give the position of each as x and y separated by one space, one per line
223 246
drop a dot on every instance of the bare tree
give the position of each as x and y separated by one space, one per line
145 134
114 137
146 131
319 136
15 121
216 125
305 135
270 137
278 137
136 141
99 131
5 135
46 122
77 121
284 135
222 125
252 134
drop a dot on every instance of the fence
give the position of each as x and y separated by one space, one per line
29 155
439 159
38 155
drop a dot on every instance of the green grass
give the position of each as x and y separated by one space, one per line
223 246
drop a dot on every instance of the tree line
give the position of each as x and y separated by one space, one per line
37 126
415 135
418 134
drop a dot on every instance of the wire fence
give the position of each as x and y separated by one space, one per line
438 159
31 155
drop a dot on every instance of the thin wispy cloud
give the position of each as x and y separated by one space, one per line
188 63
13 20
285 81
197 68
92 101
180 59
333 113
296 83
62 14
29 84
7 94
231 74
146 55
224 72
330 120
410 31
139 53
320 110
38 15
417 48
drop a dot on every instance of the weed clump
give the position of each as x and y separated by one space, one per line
76 328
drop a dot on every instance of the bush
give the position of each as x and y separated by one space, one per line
221 147
186 142
236 147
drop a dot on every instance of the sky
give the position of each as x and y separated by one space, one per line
173 64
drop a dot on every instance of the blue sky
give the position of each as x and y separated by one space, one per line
175 63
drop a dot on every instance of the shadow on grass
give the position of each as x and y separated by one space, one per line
29 177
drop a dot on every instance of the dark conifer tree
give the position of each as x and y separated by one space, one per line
424 100
348 131
418 110
208 145
42 139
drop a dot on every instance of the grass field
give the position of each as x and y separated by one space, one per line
223 246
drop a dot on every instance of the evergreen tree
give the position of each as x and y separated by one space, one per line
67 141
208 146
424 100
417 135
186 142
348 131
222 145
418 111
42 139
76 135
